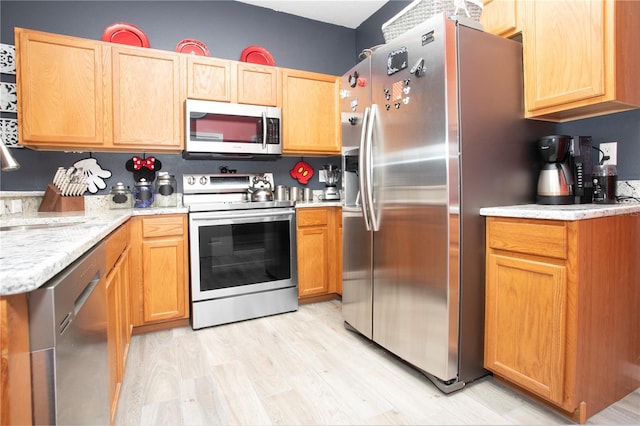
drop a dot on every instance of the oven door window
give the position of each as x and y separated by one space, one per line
241 254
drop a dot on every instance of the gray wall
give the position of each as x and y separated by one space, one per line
227 27
622 127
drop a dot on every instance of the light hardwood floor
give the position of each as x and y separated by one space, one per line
305 368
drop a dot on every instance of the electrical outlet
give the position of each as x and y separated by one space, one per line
322 175
15 206
610 149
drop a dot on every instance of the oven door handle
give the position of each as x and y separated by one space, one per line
235 214
264 130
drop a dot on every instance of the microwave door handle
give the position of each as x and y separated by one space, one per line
264 130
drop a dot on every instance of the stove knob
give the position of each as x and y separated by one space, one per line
203 180
191 180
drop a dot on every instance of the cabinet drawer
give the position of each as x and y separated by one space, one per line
544 238
162 226
117 241
312 217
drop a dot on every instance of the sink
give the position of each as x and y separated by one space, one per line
28 227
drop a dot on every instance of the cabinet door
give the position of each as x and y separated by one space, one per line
338 246
525 325
164 272
147 100
314 246
313 261
257 85
159 275
113 291
564 52
61 98
125 309
163 269
310 113
209 79
15 361
499 17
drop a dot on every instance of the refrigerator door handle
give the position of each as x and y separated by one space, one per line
375 221
362 161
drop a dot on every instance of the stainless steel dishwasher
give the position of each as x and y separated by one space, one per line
68 339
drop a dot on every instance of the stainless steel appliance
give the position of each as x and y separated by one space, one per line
565 175
444 136
220 129
242 249
68 343
332 176
605 178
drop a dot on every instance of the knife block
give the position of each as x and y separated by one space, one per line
53 201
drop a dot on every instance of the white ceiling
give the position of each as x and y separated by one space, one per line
348 14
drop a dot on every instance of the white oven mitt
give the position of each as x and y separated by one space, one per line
93 173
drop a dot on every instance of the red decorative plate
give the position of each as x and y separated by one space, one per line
123 33
257 55
192 46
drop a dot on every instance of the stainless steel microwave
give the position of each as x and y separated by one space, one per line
224 129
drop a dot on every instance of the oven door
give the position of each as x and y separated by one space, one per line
241 251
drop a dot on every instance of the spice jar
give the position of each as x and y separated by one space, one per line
120 197
166 195
143 193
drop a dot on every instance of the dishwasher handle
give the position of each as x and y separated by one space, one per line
79 303
53 307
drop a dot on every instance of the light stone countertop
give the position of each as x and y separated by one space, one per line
566 212
30 256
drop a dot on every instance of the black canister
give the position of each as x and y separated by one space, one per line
605 180
143 193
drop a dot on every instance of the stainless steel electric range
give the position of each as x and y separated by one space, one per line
242 252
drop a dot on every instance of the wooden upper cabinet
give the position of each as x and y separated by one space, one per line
222 80
88 95
147 99
310 113
209 78
61 95
500 17
580 58
258 85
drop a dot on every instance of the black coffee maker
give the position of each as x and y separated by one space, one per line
566 174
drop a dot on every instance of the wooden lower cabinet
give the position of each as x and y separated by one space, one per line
159 271
15 361
563 308
338 262
118 312
319 250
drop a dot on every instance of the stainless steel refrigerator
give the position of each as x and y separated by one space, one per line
442 136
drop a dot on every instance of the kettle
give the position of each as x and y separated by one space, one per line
261 189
